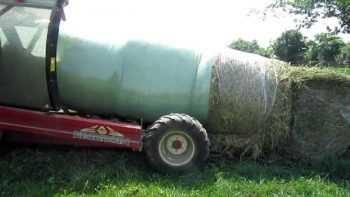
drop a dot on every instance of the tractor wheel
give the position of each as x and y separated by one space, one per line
176 144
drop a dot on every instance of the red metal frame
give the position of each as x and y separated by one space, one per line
71 129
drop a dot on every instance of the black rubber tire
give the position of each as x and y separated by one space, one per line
189 130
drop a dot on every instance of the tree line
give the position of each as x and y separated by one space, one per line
291 46
325 49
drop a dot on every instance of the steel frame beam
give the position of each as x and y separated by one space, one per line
72 129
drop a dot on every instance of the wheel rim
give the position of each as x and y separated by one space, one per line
176 148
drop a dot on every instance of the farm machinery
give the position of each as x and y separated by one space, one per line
60 85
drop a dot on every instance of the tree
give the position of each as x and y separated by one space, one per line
244 45
311 53
251 47
328 47
313 9
290 46
344 56
266 52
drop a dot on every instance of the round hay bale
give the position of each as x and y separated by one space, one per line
271 128
243 91
276 130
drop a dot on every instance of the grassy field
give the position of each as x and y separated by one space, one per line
71 171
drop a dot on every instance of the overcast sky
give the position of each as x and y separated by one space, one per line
216 22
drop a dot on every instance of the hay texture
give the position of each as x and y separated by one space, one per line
268 135
321 115
243 92
259 105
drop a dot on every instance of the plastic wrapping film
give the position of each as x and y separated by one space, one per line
23 33
321 128
104 68
243 92
135 79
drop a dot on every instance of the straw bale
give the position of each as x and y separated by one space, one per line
305 113
243 90
321 115
272 134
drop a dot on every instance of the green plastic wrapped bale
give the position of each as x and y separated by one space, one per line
135 79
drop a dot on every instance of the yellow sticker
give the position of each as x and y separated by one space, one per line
53 64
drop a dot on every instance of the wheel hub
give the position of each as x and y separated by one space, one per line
176 144
176 148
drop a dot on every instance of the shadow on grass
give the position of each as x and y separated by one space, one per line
43 170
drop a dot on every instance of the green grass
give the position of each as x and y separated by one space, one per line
69 171
342 70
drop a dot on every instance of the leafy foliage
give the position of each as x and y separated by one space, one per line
313 9
325 49
290 46
244 45
328 47
311 53
250 47
266 52
344 55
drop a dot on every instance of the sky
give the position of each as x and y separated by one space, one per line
213 22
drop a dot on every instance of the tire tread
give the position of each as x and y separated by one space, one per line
190 124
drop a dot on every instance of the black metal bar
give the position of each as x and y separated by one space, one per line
51 50
5 9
